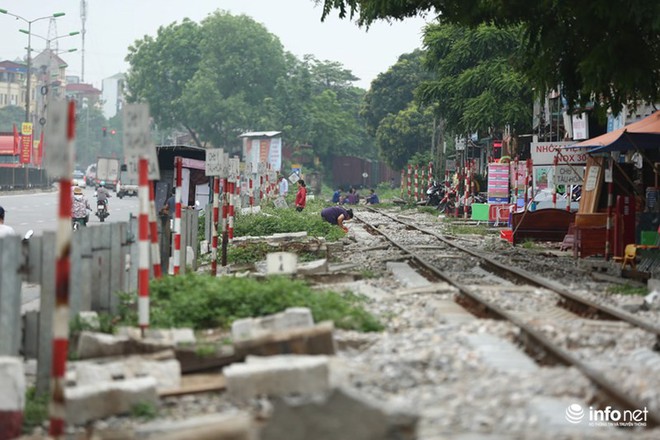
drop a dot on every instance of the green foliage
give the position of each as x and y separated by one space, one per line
568 43
36 410
428 209
529 244
203 302
475 86
144 410
460 229
247 253
272 221
627 289
10 116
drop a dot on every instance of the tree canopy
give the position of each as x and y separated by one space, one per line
475 86
600 50
228 75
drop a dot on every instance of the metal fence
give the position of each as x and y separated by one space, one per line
104 263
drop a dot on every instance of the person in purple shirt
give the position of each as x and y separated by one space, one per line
336 215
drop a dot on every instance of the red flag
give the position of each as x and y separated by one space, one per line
17 141
40 150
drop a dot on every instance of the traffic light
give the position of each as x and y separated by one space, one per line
105 131
113 132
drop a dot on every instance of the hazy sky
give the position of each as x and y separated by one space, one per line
113 25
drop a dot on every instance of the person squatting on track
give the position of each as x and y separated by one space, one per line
336 215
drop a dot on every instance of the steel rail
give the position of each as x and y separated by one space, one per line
536 344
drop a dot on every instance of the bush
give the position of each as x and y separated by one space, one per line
203 302
271 221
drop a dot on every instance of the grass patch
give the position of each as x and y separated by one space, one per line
271 221
247 253
144 410
36 410
203 302
459 229
529 244
428 209
627 289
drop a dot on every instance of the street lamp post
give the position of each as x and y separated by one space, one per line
29 66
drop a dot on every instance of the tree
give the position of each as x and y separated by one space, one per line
11 115
240 69
401 135
475 87
602 50
393 90
160 70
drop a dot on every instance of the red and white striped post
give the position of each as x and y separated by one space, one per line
515 183
230 212
153 232
225 214
261 188
416 182
176 254
57 407
144 245
409 181
214 235
403 181
12 382
430 174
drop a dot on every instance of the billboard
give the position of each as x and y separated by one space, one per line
266 150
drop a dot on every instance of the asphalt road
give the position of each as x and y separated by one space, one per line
38 211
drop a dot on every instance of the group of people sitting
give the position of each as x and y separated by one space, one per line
353 197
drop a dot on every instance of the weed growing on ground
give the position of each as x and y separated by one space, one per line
203 302
627 289
271 221
144 410
36 410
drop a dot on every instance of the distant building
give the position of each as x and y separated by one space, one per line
12 84
83 93
113 95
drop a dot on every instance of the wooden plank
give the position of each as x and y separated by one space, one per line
593 179
197 383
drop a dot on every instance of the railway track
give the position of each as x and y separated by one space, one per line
541 309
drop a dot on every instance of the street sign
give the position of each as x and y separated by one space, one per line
58 156
213 163
234 170
137 141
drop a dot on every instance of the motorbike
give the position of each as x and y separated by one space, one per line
448 203
102 210
78 222
434 194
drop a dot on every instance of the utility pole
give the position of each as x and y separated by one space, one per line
83 19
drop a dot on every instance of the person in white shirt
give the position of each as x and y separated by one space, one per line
5 229
284 186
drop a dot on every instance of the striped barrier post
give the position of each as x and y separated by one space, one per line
143 245
403 181
153 231
409 181
416 182
214 223
251 193
225 214
430 173
515 184
230 212
176 254
261 188
467 190
12 384
57 409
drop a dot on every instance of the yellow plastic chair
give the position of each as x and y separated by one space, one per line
629 257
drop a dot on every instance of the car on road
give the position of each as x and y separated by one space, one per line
79 179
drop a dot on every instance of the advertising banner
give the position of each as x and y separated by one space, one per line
498 183
543 153
26 143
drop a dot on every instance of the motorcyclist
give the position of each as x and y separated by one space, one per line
102 194
80 207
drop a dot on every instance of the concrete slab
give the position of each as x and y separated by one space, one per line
406 275
501 354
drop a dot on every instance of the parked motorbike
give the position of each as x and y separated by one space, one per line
448 203
102 210
434 194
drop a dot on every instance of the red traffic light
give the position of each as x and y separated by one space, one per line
105 131
113 132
